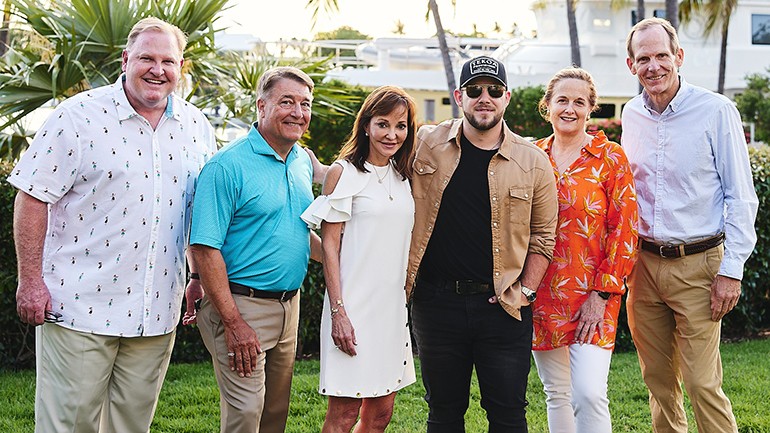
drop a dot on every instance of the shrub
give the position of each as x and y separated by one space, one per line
753 310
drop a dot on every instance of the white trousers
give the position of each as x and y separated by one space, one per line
575 384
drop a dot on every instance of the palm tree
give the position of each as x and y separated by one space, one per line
448 69
718 13
69 46
574 42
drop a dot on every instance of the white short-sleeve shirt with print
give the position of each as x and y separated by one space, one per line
120 196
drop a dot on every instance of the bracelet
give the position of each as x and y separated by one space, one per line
194 276
339 305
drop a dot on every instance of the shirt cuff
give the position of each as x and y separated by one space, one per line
731 268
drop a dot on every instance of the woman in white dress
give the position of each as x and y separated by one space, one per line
366 353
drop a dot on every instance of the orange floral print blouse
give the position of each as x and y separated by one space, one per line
595 243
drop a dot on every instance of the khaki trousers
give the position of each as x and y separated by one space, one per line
90 383
669 315
260 403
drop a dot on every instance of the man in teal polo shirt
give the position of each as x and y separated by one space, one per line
251 251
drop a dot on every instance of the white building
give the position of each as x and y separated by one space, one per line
415 65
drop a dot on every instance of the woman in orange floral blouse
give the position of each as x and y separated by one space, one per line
577 305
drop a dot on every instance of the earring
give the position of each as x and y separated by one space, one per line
366 134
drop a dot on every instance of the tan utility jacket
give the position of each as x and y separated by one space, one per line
522 192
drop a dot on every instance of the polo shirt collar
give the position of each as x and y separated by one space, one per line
260 146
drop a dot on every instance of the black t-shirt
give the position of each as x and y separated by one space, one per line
460 247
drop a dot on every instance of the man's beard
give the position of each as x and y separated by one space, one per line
481 125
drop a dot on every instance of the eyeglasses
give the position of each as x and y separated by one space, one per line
494 90
53 317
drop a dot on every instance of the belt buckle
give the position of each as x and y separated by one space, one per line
457 287
252 294
660 251
284 296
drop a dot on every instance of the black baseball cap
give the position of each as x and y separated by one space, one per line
483 66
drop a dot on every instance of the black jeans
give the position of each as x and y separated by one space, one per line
454 333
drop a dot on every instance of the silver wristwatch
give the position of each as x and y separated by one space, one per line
531 295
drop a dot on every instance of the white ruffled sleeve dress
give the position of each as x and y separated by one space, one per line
378 217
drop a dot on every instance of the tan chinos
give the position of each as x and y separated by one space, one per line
669 315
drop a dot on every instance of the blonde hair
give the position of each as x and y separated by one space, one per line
652 22
156 25
564 74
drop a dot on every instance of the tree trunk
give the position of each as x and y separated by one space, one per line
672 12
723 55
5 28
448 69
573 33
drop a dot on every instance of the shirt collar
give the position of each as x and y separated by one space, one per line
681 95
260 146
506 147
126 111
594 147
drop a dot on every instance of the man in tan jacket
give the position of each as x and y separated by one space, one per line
485 218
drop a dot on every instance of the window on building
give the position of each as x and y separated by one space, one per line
760 29
445 101
657 13
430 110
605 111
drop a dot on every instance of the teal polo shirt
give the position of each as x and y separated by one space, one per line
247 204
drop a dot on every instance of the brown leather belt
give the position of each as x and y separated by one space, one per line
669 251
240 289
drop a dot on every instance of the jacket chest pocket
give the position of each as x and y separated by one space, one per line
423 178
520 204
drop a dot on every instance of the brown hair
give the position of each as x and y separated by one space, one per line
564 74
382 101
273 75
652 22
157 25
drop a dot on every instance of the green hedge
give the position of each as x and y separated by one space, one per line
751 314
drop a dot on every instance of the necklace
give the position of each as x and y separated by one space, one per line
380 179
563 163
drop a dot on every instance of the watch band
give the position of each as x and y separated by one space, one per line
603 295
528 293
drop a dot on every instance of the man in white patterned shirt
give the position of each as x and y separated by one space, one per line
100 224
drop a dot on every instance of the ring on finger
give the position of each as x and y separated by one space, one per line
230 354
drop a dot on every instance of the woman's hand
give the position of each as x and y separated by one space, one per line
343 334
589 317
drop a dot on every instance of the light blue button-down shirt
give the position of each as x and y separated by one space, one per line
692 172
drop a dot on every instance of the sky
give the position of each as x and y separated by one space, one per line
271 20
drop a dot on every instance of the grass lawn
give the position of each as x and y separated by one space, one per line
189 401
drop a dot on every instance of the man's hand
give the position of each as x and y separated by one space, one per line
192 295
242 347
725 292
319 170
33 300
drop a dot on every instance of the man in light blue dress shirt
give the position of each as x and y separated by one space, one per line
697 207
